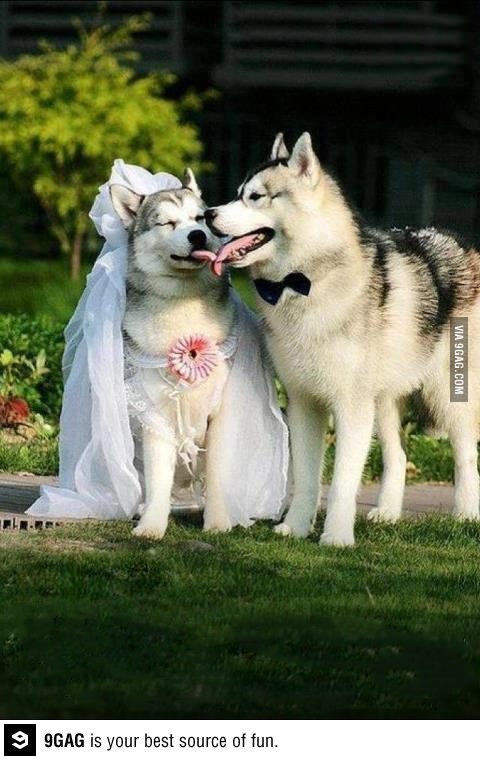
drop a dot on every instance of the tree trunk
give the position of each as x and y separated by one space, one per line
76 255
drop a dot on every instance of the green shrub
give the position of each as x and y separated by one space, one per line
27 338
39 456
67 113
431 460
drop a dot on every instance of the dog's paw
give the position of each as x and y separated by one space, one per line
217 525
337 538
294 531
383 515
147 529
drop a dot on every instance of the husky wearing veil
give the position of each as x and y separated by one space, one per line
168 398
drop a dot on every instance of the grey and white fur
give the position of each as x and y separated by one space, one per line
374 328
170 294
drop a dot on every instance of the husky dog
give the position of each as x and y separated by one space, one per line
355 319
170 292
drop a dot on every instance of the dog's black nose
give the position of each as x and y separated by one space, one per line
210 215
197 238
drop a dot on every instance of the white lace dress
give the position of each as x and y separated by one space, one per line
168 413
104 401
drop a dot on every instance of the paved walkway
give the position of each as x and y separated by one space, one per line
18 492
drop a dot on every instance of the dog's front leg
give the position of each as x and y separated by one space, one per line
159 458
354 424
307 422
216 511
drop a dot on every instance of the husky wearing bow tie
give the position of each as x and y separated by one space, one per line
355 319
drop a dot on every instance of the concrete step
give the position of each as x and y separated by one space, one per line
19 491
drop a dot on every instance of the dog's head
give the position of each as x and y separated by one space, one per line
167 230
269 205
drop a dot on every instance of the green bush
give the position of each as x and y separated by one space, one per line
433 458
67 113
38 456
26 337
430 460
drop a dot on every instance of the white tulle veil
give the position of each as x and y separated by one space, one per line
99 476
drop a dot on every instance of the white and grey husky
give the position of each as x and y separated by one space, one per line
170 293
355 319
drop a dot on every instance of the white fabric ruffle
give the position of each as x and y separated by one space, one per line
100 461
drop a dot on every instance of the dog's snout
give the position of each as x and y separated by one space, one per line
210 215
197 238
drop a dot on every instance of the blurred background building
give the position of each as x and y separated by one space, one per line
389 89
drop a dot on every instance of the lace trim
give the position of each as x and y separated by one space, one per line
144 411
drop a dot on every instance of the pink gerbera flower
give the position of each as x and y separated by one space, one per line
193 358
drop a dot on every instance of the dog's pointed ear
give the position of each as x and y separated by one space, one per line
303 160
279 149
126 203
190 182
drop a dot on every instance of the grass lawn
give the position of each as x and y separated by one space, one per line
28 286
38 456
431 459
97 624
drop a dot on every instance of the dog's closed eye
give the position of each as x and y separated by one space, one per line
255 196
164 224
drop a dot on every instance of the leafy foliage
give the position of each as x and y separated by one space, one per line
39 455
30 362
18 369
66 114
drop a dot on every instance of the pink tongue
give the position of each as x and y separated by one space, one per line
203 255
208 256
228 251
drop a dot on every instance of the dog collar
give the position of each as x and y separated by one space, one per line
271 291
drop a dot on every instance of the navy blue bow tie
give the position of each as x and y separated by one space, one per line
271 291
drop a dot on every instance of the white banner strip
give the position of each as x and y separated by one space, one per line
175 739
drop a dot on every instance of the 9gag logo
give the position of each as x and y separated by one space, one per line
19 739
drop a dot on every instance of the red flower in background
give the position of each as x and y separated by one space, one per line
13 411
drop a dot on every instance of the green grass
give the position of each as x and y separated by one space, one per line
97 624
432 458
38 288
39 456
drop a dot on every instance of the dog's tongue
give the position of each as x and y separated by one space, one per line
203 255
227 252
208 256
